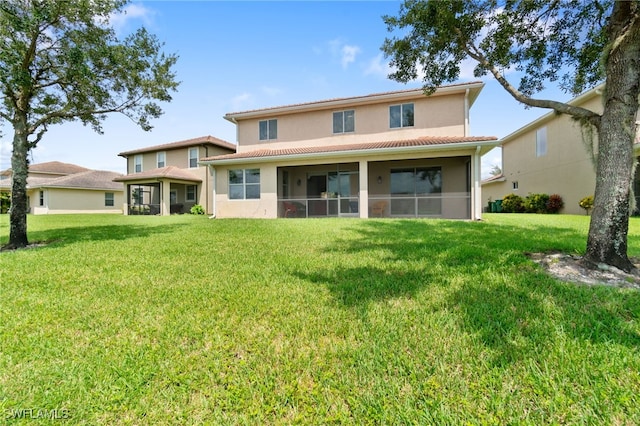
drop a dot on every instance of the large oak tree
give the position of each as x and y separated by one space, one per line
573 43
61 60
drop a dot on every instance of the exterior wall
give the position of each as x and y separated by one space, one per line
438 116
567 169
63 201
455 171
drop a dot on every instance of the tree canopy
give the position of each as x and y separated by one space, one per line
574 44
62 61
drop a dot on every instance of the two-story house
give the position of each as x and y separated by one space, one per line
165 179
397 154
552 155
55 187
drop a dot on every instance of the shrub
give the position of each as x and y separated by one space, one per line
587 203
554 203
197 209
512 203
536 203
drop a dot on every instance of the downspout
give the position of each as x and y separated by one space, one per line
466 112
206 181
477 215
213 174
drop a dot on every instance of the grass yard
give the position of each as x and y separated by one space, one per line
186 320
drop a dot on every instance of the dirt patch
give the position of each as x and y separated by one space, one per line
567 267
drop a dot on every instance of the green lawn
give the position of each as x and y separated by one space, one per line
186 320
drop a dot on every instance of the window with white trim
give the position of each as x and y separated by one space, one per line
41 199
401 116
161 159
344 121
137 163
193 158
268 129
541 142
244 184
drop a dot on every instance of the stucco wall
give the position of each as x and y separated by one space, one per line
62 201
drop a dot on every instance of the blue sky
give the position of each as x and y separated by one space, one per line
240 55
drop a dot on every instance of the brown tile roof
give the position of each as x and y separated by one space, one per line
382 145
91 179
52 167
168 172
203 140
351 98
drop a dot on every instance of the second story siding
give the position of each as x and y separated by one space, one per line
442 114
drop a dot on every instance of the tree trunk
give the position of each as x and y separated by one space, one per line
20 170
607 242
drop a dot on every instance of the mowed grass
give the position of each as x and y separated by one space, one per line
186 320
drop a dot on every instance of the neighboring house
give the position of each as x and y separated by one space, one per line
166 179
59 188
551 156
397 154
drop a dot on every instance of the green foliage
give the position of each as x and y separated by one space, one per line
538 39
5 202
512 203
586 203
536 203
555 203
197 209
324 321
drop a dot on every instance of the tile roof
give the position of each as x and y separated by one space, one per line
209 140
53 167
89 179
382 145
168 172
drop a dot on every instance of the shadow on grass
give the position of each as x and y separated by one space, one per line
59 237
495 291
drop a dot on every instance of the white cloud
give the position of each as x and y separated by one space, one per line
5 153
241 102
271 91
490 159
377 66
349 55
130 13
344 52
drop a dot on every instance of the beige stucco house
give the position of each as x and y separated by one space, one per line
166 179
550 155
396 154
62 188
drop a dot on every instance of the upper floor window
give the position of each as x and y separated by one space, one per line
244 184
268 129
401 115
541 142
109 200
161 159
344 121
193 158
137 164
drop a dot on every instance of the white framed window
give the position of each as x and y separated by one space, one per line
541 142
401 116
109 199
41 199
244 184
193 158
191 192
344 121
161 159
137 163
514 185
268 129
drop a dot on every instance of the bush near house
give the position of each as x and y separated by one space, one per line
587 203
532 203
512 203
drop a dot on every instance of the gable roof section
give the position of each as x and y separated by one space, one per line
381 147
52 167
473 87
203 140
168 172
